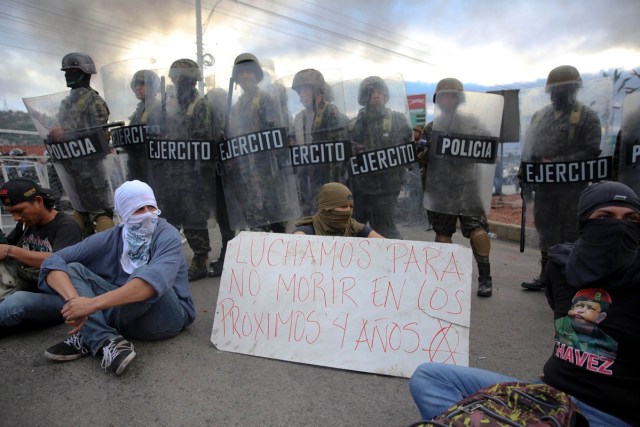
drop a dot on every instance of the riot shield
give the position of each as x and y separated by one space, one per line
564 148
259 184
77 144
318 144
629 163
180 154
383 169
462 155
131 90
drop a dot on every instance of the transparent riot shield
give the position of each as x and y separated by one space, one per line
131 89
383 169
629 150
77 144
180 153
259 184
564 147
318 144
462 155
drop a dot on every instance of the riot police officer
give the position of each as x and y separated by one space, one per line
319 122
183 184
562 131
376 127
87 178
459 180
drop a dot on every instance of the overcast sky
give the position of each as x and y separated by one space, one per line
487 42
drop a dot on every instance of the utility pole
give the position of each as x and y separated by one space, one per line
199 54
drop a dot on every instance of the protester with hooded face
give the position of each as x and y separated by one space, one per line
334 216
601 270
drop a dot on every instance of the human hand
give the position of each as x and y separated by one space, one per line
56 133
77 309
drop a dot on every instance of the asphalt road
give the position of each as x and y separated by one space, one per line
186 381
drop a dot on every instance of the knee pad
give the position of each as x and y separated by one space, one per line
103 222
443 238
480 242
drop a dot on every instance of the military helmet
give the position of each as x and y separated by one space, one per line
563 74
248 59
147 78
371 82
80 61
184 67
449 85
308 77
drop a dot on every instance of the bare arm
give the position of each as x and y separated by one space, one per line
23 256
375 235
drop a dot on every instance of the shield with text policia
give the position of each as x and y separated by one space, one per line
180 147
462 154
383 171
629 166
77 144
131 89
257 176
318 143
564 149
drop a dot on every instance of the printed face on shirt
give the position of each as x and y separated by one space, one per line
587 312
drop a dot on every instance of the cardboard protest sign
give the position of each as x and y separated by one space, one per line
373 305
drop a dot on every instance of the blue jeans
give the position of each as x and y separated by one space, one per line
34 307
435 387
162 319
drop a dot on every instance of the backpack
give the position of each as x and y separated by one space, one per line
512 404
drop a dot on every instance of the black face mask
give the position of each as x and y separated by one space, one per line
75 78
608 249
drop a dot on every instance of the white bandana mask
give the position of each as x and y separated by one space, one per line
136 234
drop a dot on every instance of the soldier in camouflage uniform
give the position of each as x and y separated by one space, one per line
183 186
375 127
145 84
448 96
255 110
320 121
562 131
81 110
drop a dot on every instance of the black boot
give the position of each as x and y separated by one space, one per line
485 286
538 284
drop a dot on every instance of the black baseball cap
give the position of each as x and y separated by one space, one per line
21 190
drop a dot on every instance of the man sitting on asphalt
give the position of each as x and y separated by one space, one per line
40 230
129 281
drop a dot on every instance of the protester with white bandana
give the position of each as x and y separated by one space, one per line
126 282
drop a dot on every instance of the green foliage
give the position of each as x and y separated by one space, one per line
17 120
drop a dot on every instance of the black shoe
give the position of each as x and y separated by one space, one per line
216 269
197 274
536 285
485 288
116 355
70 349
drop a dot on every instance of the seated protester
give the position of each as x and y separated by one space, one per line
593 288
128 281
40 230
333 218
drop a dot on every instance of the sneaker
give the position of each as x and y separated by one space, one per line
536 285
70 349
116 355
